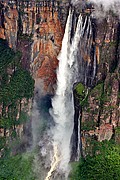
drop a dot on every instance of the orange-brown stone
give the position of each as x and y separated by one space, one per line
11 26
2 33
47 48
105 132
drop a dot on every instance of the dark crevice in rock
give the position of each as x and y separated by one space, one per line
81 149
114 63
74 138
100 106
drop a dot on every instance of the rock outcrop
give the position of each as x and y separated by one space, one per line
46 45
100 117
35 29
9 24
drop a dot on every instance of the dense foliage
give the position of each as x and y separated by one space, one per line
104 165
17 167
16 85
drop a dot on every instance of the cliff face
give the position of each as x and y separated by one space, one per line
46 46
9 24
37 29
100 114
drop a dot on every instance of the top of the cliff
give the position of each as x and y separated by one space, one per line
38 2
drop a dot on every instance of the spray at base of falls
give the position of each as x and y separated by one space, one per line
62 103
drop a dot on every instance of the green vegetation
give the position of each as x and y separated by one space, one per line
104 165
117 130
17 167
20 86
80 89
97 91
6 56
81 94
16 84
117 135
88 125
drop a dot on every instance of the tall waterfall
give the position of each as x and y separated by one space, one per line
62 111
62 103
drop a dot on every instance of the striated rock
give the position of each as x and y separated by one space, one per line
24 46
11 26
40 28
106 44
101 116
45 48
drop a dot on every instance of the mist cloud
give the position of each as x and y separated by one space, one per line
102 6
107 4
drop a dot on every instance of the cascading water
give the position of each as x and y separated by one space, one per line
62 103
62 111
94 65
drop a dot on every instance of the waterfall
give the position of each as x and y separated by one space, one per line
62 103
94 65
62 111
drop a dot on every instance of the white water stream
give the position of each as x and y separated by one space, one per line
62 103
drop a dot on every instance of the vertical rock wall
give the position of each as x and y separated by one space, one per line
9 24
35 29
100 116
